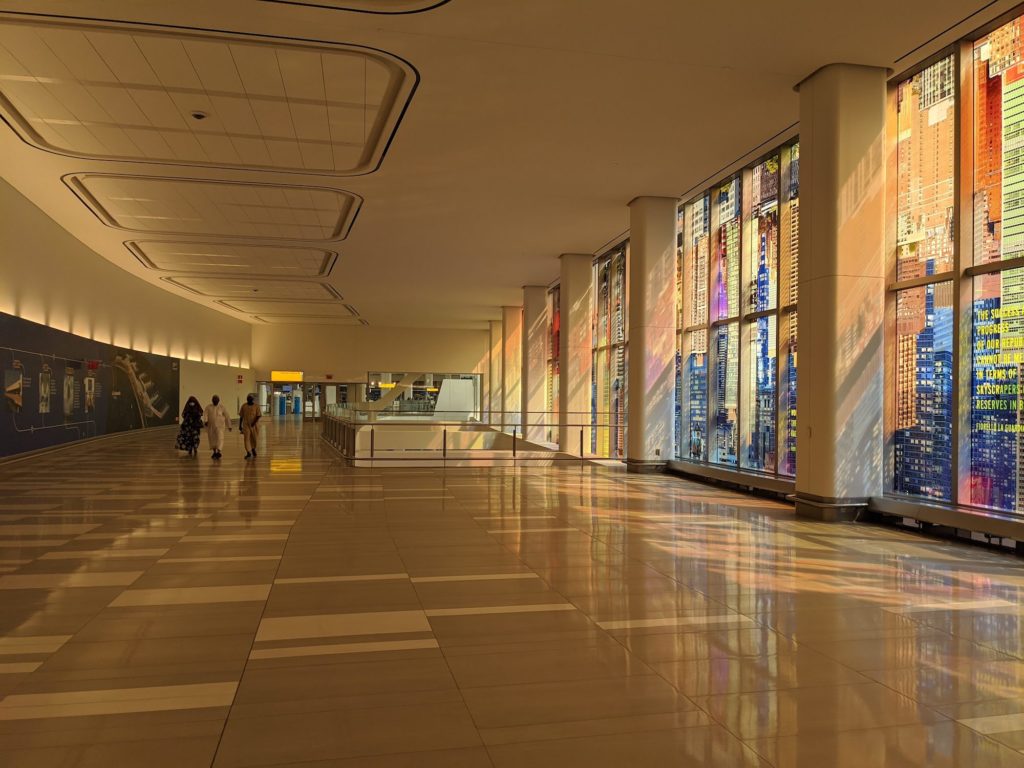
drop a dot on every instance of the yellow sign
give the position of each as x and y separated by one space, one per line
286 375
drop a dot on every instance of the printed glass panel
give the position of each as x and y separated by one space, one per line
925 157
695 385
760 441
763 264
923 429
787 395
997 368
725 273
725 397
998 145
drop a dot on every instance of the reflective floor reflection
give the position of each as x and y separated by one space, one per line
157 610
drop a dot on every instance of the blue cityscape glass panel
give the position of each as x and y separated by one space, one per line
787 398
763 268
725 402
923 430
725 273
997 369
789 237
695 384
759 438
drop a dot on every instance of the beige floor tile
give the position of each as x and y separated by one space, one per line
573 700
272 740
192 595
697 747
936 745
809 710
787 669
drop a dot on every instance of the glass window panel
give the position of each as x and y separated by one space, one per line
698 245
617 395
923 428
998 145
925 156
789 239
787 395
763 266
601 398
725 394
695 385
677 415
997 359
725 275
760 441
618 299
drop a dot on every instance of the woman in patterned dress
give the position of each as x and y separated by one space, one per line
191 424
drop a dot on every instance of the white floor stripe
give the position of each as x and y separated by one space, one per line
473 577
492 609
339 648
333 579
680 621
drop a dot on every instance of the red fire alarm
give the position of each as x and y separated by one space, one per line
329 377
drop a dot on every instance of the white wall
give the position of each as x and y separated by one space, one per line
349 352
204 380
50 277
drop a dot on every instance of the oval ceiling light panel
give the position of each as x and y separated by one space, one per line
174 206
143 93
369 6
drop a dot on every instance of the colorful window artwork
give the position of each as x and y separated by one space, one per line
608 382
736 371
997 338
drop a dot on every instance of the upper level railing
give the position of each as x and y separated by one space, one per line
361 433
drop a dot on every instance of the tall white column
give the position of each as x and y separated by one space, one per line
494 375
575 351
535 361
842 290
511 364
651 282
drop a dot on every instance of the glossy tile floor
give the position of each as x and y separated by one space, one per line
162 611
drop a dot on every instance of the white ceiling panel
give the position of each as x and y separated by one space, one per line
290 98
247 287
228 209
230 258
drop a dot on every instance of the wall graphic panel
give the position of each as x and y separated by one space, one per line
59 387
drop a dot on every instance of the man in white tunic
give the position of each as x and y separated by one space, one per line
217 420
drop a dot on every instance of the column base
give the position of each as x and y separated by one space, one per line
645 467
828 510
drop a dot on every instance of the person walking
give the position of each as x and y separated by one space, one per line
249 425
191 424
217 419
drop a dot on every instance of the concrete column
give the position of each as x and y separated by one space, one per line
575 350
842 290
535 361
494 375
651 281
511 364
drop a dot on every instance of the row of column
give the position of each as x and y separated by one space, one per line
840 371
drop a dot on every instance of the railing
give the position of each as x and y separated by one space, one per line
365 435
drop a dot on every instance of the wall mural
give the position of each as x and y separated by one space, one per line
59 387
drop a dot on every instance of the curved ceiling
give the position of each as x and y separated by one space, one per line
419 161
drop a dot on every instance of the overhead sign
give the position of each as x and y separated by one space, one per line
286 375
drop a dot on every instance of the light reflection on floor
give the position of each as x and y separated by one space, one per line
161 611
